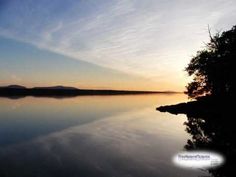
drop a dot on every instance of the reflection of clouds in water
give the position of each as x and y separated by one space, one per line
15 106
130 144
42 116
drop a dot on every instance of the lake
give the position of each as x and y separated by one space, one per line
113 136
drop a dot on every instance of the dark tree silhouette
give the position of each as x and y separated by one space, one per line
212 68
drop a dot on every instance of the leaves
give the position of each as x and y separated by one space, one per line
212 67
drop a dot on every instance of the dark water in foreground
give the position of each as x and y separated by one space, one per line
87 136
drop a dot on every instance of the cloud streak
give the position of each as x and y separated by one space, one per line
154 39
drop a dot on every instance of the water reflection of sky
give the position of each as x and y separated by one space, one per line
91 136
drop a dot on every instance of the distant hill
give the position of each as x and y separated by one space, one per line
14 87
63 91
59 87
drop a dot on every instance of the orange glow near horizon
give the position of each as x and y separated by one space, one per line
141 85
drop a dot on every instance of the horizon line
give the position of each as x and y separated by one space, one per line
92 89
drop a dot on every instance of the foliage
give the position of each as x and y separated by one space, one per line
212 68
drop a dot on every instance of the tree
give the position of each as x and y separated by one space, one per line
212 68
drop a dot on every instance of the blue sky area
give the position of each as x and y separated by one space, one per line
125 44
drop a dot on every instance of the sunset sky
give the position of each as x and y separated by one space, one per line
106 44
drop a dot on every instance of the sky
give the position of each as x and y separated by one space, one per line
113 44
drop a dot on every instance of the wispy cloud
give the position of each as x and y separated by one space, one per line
153 38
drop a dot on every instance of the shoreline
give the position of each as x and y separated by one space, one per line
202 106
69 92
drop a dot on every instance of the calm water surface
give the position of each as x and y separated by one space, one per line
115 136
